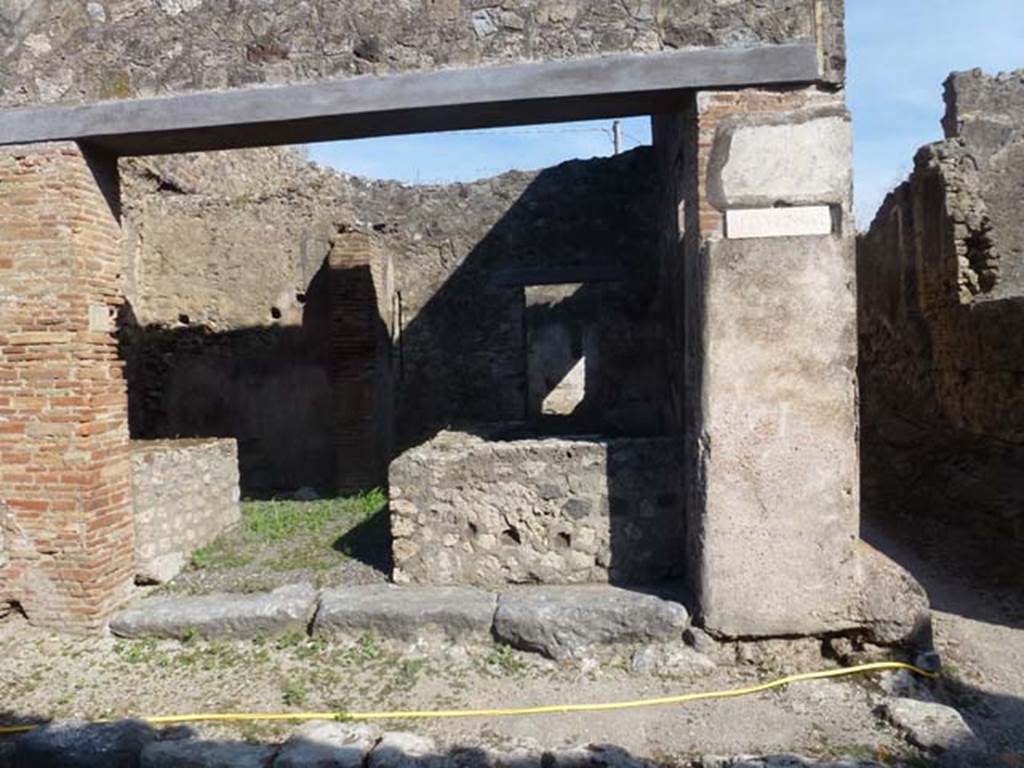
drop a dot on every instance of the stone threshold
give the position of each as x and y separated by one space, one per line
557 621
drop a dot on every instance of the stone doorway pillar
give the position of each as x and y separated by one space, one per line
66 529
763 270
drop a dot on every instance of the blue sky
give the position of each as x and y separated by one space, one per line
899 53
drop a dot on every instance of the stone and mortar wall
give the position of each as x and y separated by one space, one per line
941 307
224 332
73 51
228 279
467 510
65 506
184 493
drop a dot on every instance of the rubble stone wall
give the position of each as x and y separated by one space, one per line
941 307
184 494
73 51
466 509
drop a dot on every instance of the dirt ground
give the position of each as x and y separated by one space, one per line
978 629
48 676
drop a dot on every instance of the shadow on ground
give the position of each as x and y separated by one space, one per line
369 542
135 743
975 584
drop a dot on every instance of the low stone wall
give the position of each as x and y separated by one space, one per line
185 494
465 510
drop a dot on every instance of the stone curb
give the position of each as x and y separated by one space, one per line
288 608
406 613
556 621
561 622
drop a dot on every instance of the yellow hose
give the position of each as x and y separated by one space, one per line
234 717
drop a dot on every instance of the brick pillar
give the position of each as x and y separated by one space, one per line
360 304
65 506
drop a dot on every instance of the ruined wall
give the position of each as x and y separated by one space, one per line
227 283
72 51
226 252
941 307
184 494
466 510
465 259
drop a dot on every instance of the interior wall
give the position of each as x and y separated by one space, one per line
228 284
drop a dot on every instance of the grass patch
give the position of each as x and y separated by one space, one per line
294 692
290 535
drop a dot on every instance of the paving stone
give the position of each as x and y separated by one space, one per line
206 754
287 608
930 725
402 750
405 613
561 621
77 744
597 755
781 761
324 744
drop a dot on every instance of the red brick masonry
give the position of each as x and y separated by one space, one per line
66 531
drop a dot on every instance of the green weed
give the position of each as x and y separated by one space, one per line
505 659
293 692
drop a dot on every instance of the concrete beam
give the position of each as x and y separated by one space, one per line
632 84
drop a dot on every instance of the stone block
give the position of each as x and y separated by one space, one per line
795 158
403 750
561 622
891 604
322 744
405 613
78 744
931 726
746 223
774 512
285 609
206 754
